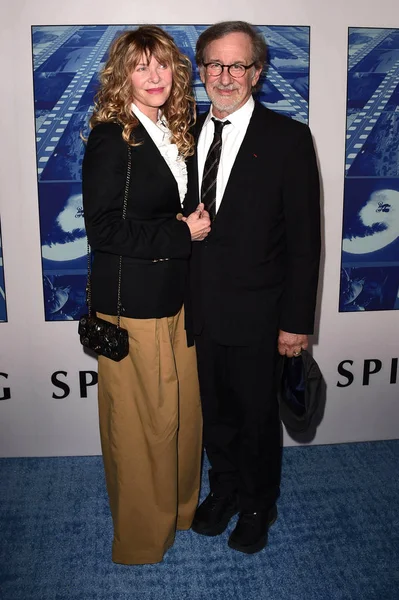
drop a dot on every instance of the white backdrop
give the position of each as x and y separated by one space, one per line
32 421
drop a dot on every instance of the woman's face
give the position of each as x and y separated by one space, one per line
151 85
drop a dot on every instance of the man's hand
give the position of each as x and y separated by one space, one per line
199 223
291 344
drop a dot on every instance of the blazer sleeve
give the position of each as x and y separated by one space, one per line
301 197
103 181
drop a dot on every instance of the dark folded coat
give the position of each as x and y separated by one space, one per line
300 390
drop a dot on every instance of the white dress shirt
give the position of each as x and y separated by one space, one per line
160 135
232 137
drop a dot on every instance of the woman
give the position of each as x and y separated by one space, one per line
149 408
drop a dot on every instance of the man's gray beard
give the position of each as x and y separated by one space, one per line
229 108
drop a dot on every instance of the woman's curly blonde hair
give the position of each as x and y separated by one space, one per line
113 100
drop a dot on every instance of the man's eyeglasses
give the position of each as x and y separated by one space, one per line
236 70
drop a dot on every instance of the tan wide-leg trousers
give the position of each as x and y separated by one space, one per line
151 426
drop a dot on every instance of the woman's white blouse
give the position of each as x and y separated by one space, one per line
160 135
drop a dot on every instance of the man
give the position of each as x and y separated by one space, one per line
253 280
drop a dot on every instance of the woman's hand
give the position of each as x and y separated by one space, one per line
199 223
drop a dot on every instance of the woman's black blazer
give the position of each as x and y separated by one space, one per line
150 287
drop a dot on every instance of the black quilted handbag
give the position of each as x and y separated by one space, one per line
104 338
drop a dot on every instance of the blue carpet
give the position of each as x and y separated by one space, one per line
336 538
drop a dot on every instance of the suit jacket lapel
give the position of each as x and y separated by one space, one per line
246 157
244 162
154 155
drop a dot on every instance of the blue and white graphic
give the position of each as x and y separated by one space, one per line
3 306
66 63
370 245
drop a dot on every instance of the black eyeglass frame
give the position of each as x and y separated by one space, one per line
228 67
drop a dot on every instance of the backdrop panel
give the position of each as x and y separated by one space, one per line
370 248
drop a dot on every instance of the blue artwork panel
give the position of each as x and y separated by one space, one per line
3 306
361 86
369 288
66 64
66 59
49 88
66 163
64 243
64 295
370 238
86 101
371 220
379 60
297 36
379 155
86 37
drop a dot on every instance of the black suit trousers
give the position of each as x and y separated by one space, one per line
242 431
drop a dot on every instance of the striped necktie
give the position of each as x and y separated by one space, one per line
208 185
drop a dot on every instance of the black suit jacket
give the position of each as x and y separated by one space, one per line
150 231
257 270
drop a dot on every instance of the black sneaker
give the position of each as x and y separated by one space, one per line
214 513
251 532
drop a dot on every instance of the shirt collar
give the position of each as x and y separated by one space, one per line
239 118
156 130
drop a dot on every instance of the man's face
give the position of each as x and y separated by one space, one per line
228 93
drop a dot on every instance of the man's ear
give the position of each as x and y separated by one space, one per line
256 76
202 74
